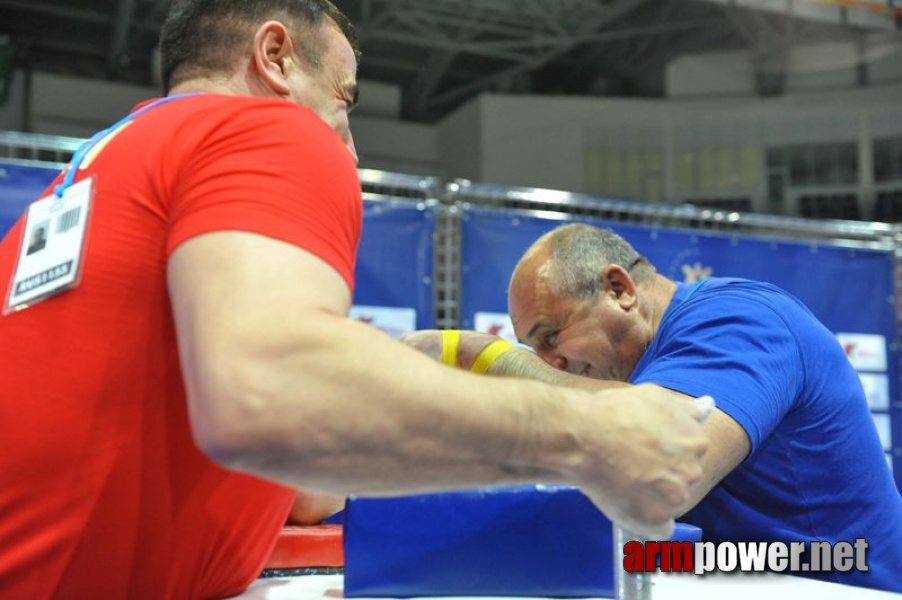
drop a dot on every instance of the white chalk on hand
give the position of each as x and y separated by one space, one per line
705 405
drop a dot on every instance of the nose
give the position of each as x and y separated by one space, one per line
349 144
553 358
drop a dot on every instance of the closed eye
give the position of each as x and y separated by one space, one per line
352 97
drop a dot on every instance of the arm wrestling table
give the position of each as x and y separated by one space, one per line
526 542
665 586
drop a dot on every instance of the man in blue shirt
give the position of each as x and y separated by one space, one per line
794 456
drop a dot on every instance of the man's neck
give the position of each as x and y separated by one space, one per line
209 86
239 83
660 291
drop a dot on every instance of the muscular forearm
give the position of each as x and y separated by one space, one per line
515 362
348 410
518 362
728 441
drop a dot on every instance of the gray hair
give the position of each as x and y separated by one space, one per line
580 252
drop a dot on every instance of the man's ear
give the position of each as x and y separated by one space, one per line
615 280
272 50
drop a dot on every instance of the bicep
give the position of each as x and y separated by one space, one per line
728 446
239 301
252 273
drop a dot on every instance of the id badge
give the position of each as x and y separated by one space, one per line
52 249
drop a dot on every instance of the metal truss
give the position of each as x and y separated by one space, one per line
441 53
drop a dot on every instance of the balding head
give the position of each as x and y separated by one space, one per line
573 258
587 302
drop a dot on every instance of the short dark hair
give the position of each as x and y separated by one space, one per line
201 37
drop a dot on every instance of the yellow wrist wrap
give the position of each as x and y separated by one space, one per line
489 355
450 346
484 360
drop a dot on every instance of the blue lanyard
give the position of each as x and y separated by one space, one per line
95 139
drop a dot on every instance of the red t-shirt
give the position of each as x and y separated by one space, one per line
103 493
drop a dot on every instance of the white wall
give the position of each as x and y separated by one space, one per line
714 73
392 145
811 67
544 141
379 99
884 59
461 142
533 141
823 67
62 105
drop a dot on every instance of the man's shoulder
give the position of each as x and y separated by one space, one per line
211 119
204 109
745 291
739 284
248 106
718 302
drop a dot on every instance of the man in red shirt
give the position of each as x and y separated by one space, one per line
160 414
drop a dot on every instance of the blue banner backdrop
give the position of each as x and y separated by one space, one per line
20 185
849 290
394 260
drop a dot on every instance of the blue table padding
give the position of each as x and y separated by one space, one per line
513 541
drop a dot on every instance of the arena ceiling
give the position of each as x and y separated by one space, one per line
442 52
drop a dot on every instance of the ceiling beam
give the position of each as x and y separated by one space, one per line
66 12
590 31
75 14
417 97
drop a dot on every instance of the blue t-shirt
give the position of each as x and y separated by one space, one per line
816 470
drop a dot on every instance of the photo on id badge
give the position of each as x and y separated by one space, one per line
37 238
